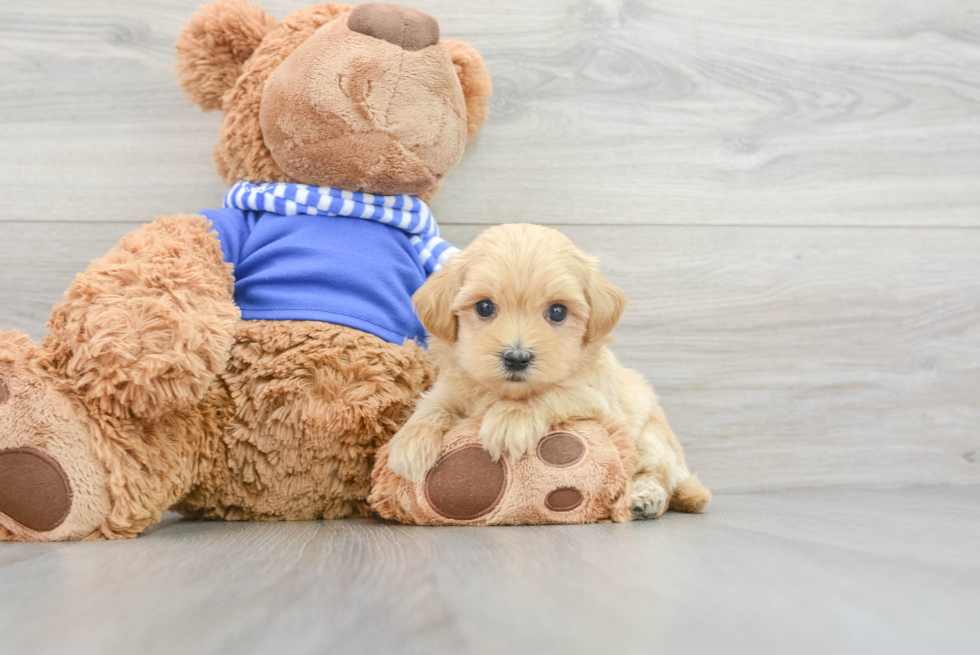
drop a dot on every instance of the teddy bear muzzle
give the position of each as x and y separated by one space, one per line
328 114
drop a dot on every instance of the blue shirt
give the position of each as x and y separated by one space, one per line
337 269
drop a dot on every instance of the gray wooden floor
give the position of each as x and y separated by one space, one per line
830 571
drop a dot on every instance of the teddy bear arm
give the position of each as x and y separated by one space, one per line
146 328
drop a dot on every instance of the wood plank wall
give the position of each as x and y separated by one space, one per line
788 191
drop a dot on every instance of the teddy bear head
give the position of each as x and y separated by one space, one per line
364 98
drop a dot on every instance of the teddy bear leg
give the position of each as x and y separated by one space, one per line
52 486
100 422
314 401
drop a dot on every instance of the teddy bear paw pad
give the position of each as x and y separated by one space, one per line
561 449
465 483
563 499
34 490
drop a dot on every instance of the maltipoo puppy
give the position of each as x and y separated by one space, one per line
519 323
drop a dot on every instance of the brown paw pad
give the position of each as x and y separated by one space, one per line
34 489
561 449
563 499
465 484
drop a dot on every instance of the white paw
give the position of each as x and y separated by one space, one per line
511 429
649 499
413 451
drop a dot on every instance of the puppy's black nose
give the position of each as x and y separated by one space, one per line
517 359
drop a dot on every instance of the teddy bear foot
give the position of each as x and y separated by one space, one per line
52 488
579 473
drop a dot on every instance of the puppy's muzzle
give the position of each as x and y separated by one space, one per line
517 359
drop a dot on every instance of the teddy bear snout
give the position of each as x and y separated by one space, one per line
407 28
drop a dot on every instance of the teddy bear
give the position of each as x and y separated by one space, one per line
246 363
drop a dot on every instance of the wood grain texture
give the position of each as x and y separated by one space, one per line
802 572
657 112
784 357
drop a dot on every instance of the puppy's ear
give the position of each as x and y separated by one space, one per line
434 302
606 305
475 80
214 44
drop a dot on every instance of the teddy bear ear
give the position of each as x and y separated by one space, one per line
475 79
214 44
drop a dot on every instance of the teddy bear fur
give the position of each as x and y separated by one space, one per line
150 392
598 477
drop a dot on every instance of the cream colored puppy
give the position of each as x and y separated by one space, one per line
519 323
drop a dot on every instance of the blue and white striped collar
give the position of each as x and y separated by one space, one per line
404 212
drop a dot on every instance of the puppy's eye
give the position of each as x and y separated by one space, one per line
557 313
485 308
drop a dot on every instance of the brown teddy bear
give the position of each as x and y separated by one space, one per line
246 363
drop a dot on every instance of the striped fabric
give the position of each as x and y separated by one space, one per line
407 213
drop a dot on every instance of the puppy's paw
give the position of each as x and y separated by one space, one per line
414 450
512 429
650 499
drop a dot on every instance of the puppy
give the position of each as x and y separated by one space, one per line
519 323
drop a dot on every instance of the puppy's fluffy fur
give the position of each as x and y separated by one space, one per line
524 270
